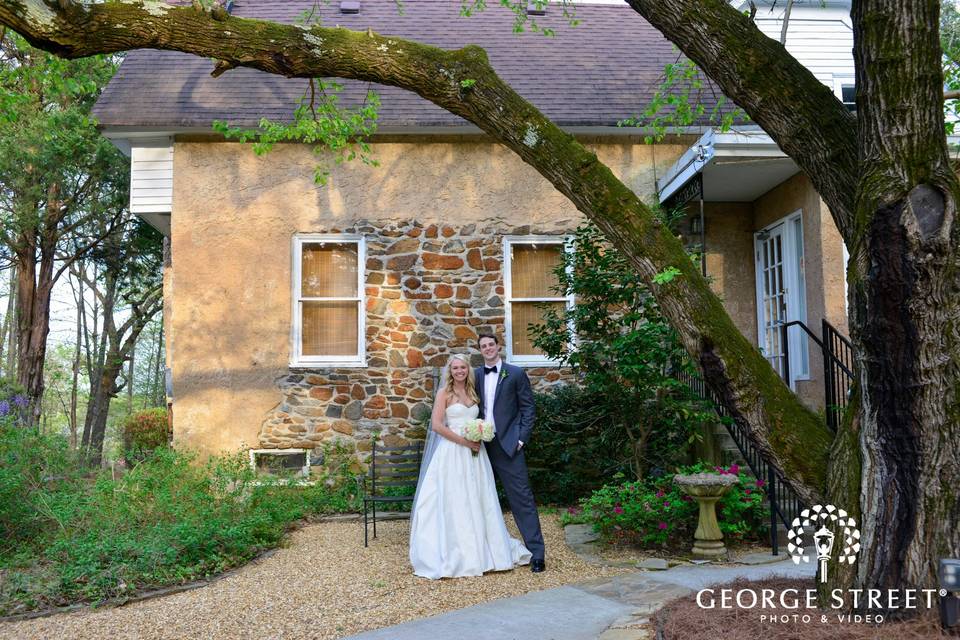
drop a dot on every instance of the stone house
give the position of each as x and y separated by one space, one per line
296 313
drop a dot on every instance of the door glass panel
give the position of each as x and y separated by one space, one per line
773 293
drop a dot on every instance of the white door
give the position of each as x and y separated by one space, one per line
781 296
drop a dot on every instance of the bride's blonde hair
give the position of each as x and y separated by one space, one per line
470 382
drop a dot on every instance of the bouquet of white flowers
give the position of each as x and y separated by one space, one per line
478 430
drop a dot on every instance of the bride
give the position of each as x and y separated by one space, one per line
457 528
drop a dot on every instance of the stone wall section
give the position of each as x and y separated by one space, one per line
430 291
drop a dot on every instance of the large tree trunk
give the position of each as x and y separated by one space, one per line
905 294
102 391
34 287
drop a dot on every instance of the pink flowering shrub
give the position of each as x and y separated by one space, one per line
655 512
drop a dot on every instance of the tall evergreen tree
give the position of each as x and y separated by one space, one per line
57 174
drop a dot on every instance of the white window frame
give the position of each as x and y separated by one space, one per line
566 244
296 333
839 82
796 277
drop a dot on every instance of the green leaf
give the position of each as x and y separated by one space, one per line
666 275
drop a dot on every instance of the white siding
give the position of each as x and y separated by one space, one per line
821 38
151 175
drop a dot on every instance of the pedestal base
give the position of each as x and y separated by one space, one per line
709 549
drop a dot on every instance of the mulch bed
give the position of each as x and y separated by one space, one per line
683 619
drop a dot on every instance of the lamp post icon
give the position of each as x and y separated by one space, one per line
823 540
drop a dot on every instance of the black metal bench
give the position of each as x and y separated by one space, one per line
390 468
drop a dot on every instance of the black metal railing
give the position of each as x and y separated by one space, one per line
785 504
838 367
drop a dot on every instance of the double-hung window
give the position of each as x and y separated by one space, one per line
328 313
529 283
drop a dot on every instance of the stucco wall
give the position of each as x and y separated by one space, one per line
730 268
234 214
823 265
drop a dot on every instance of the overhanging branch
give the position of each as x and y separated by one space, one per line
464 83
799 112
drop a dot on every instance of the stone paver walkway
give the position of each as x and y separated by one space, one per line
327 585
615 608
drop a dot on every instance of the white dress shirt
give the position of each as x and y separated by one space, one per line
490 391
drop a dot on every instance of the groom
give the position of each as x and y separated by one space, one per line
506 400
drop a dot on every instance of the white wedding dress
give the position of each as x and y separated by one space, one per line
457 526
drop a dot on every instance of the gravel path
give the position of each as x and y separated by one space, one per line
324 584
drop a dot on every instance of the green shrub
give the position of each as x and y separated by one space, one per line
623 351
36 470
169 520
655 512
576 447
144 432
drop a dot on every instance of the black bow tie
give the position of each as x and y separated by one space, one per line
487 370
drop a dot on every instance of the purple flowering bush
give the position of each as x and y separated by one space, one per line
655 512
13 401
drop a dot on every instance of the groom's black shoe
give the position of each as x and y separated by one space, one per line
538 566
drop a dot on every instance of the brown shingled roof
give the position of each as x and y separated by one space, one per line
599 72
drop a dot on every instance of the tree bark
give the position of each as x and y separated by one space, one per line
905 297
7 331
34 287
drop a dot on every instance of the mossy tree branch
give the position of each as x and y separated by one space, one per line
800 113
464 83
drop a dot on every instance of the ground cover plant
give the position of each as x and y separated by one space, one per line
68 535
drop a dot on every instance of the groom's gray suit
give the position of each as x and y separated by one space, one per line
513 414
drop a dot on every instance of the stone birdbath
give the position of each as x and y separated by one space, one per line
706 489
